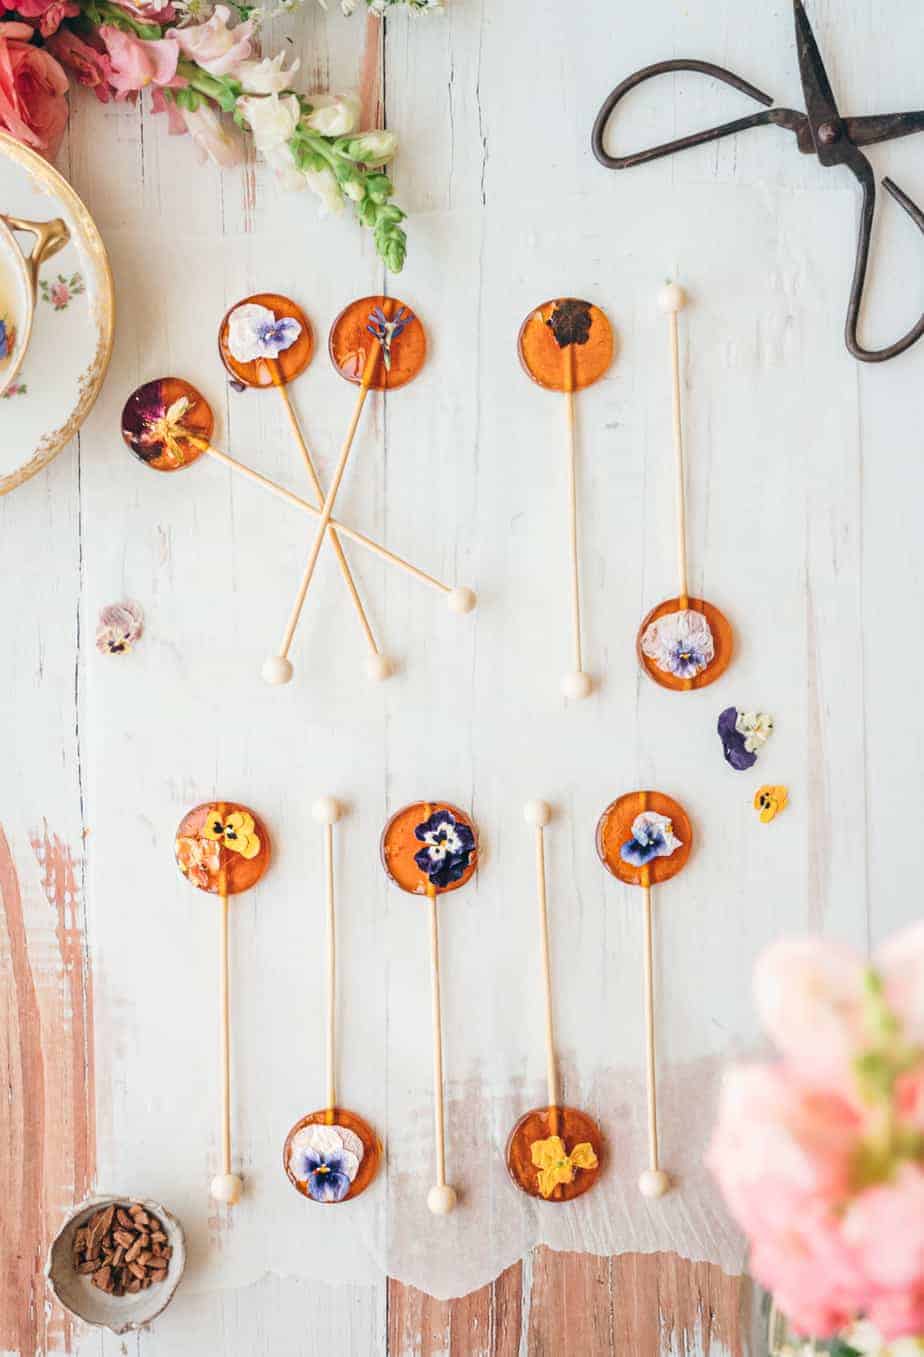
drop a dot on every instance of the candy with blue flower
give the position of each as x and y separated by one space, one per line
326 1159
254 332
680 643
652 837
387 331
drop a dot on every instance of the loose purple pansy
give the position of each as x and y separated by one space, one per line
450 844
387 331
743 735
652 837
119 627
255 331
326 1159
680 643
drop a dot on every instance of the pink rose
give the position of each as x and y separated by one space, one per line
214 46
90 64
49 13
33 108
137 63
809 995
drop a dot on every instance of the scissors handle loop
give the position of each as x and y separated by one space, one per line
863 171
626 162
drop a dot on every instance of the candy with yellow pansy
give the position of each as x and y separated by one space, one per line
556 1165
235 830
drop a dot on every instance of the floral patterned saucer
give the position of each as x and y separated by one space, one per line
44 406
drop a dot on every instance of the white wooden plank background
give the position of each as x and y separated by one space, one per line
805 483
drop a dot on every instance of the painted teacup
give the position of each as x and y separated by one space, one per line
19 273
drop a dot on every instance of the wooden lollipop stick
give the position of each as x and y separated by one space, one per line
456 596
539 813
576 684
673 299
327 811
224 1008
379 660
654 1182
441 1198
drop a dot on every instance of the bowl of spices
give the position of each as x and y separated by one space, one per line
116 1262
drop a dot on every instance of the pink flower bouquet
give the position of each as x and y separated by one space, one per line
820 1156
205 73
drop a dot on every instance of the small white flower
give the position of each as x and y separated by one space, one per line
268 76
756 727
333 115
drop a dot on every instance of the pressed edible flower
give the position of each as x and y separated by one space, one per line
119 627
236 831
680 643
198 859
770 801
556 1166
450 845
255 332
652 837
743 735
387 331
326 1159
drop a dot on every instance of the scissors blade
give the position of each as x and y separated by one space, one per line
883 127
820 103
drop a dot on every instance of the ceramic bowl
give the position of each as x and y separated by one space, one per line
19 272
78 1295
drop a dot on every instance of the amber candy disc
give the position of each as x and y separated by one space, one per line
573 1128
355 351
349 1121
203 853
289 363
167 423
400 845
566 344
614 829
722 640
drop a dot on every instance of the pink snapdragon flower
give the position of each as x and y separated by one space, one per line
821 1155
33 108
214 46
47 14
137 63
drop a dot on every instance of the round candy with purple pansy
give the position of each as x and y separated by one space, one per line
449 845
254 332
680 643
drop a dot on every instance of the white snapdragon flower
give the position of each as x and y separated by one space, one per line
324 183
212 136
271 119
333 115
268 76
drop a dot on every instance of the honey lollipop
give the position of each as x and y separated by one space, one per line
644 838
223 848
168 425
553 1152
331 1155
565 345
379 343
684 642
266 340
430 848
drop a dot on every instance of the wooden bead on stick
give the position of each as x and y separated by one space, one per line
537 812
327 810
441 1199
654 1183
576 686
672 298
461 600
277 669
226 1188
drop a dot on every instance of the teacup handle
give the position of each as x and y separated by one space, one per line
50 237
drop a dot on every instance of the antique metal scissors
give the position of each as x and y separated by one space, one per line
820 131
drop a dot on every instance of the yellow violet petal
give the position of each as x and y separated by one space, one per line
213 828
583 1156
559 1172
546 1152
248 846
240 822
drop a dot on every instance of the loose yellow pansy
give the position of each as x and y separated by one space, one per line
770 801
556 1165
236 831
